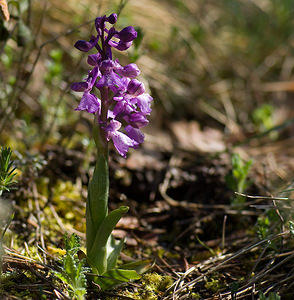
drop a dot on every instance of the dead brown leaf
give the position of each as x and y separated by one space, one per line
4 9
190 137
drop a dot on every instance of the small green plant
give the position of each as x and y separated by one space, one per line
267 225
263 117
7 174
7 170
212 285
237 179
73 271
272 296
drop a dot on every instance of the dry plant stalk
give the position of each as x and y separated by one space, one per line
4 9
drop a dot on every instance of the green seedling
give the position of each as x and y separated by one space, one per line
73 272
262 118
7 170
237 179
7 174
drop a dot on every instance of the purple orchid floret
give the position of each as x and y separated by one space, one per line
86 46
123 97
130 71
121 141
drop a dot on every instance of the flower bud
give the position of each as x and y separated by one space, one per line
86 46
112 19
127 34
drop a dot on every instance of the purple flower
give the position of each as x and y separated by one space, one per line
109 78
89 102
135 87
124 105
144 103
121 141
130 71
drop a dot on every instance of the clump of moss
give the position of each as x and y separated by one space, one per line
154 284
213 285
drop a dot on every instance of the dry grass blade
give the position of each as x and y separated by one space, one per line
221 261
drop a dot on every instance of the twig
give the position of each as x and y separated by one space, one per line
263 197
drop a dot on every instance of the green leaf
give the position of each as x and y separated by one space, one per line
97 200
140 266
70 266
72 244
7 171
98 253
116 277
113 249
63 277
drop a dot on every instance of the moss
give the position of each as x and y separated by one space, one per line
156 283
153 286
213 285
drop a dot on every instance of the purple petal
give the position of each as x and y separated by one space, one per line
135 134
135 87
94 74
79 86
122 46
143 102
86 46
127 34
122 143
122 108
112 19
130 71
107 65
99 24
113 126
93 59
89 102
111 80
137 120
110 114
